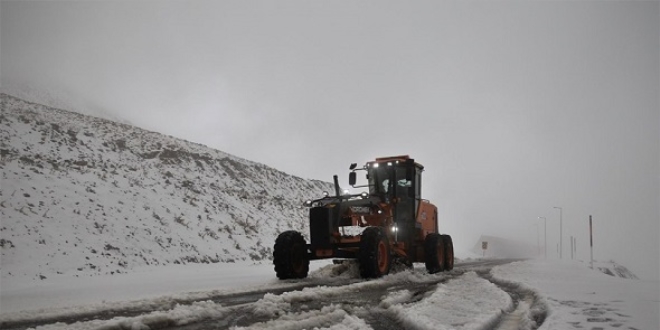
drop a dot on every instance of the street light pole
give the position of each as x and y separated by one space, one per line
561 245
545 236
538 240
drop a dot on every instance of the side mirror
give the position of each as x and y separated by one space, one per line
352 178
353 166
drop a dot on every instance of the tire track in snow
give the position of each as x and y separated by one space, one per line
343 300
135 309
362 300
528 312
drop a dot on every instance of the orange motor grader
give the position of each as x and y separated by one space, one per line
398 225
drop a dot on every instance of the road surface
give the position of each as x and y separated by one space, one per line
339 302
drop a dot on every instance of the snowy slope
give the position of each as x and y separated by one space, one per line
84 196
57 98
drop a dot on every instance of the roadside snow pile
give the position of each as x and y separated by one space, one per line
578 297
346 269
613 269
331 317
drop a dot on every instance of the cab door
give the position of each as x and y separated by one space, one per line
405 206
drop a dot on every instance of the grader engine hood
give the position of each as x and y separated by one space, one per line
343 211
326 220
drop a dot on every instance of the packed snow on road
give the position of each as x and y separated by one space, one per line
526 294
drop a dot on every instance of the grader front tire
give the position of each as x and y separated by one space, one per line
290 256
374 255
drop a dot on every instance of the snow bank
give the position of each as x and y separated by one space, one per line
578 297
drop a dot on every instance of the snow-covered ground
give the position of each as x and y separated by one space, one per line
580 298
568 294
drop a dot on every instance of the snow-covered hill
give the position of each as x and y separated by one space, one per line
614 269
59 99
84 196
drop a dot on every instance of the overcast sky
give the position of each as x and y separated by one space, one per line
513 107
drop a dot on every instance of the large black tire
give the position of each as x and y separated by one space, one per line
449 252
374 256
434 253
290 256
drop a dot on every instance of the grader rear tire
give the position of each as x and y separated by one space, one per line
290 255
449 252
434 253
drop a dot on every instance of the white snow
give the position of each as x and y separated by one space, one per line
329 317
467 302
82 196
174 282
578 297
99 216
573 296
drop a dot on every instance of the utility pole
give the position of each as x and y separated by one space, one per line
561 244
538 241
545 236
591 242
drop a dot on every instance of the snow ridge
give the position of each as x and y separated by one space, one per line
613 269
84 196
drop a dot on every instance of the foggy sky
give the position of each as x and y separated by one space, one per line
512 107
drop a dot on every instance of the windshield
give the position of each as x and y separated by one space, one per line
380 177
379 180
